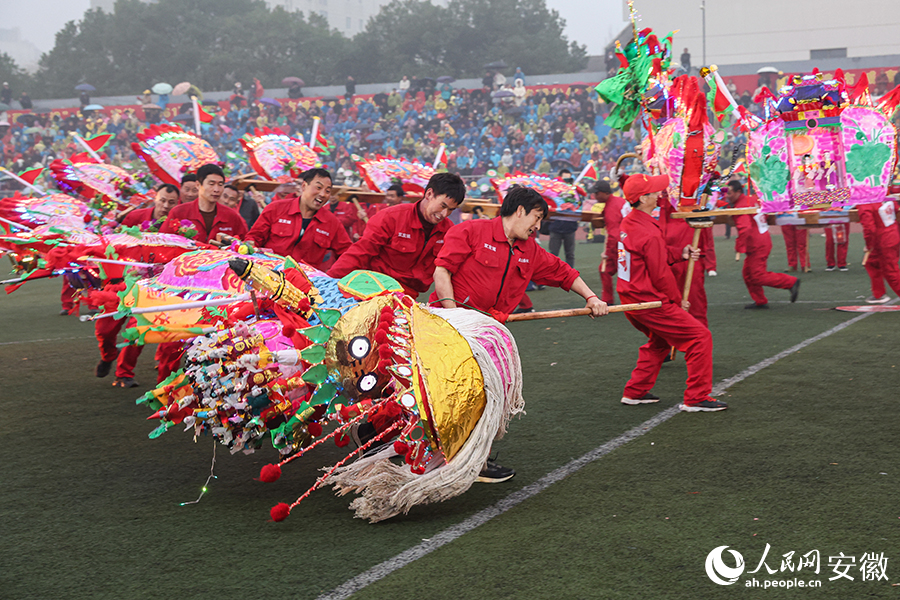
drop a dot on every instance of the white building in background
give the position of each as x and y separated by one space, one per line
21 50
763 31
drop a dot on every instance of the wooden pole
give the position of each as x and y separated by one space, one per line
577 312
698 227
355 202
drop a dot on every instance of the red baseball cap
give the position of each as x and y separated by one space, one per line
640 184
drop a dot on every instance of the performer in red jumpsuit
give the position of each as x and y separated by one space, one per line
796 243
303 228
837 242
757 243
402 241
209 218
486 264
644 276
879 223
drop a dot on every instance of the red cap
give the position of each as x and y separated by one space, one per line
640 184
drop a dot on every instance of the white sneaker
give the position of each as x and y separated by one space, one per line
873 300
711 273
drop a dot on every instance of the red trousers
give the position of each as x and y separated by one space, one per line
796 242
697 293
882 265
106 331
168 358
66 296
608 288
757 275
525 302
837 237
665 327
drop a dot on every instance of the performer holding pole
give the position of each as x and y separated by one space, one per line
754 231
486 264
644 276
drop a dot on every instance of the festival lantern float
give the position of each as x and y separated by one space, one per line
277 156
171 151
382 172
825 146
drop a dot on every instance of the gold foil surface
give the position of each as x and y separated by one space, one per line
453 382
359 321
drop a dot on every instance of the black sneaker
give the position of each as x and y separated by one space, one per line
520 311
705 406
103 368
125 382
64 312
645 399
845 269
795 291
755 305
494 473
829 269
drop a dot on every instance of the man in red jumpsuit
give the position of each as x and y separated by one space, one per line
209 218
796 243
614 211
166 199
879 222
486 265
303 227
644 276
753 232
837 242
402 241
107 330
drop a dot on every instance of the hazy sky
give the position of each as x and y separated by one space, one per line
590 22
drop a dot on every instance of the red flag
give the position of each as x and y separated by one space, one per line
859 92
205 117
591 172
322 144
98 142
31 175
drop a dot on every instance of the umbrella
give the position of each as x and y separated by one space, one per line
497 64
162 89
4 107
768 70
290 81
34 130
85 87
25 118
377 136
561 162
181 88
270 101
210 103
329 99
183 117
93 107
503 94
445 79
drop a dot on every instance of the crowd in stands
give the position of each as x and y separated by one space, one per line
501 129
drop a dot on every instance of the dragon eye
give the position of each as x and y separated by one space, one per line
367 382
360 347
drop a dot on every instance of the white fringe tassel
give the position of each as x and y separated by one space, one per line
388 489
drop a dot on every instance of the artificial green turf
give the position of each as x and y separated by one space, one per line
89 505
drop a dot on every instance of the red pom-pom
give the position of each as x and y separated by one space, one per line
314 429
280 512
383 366
381 336
341 440
385 351
288 331
401 447
269 473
